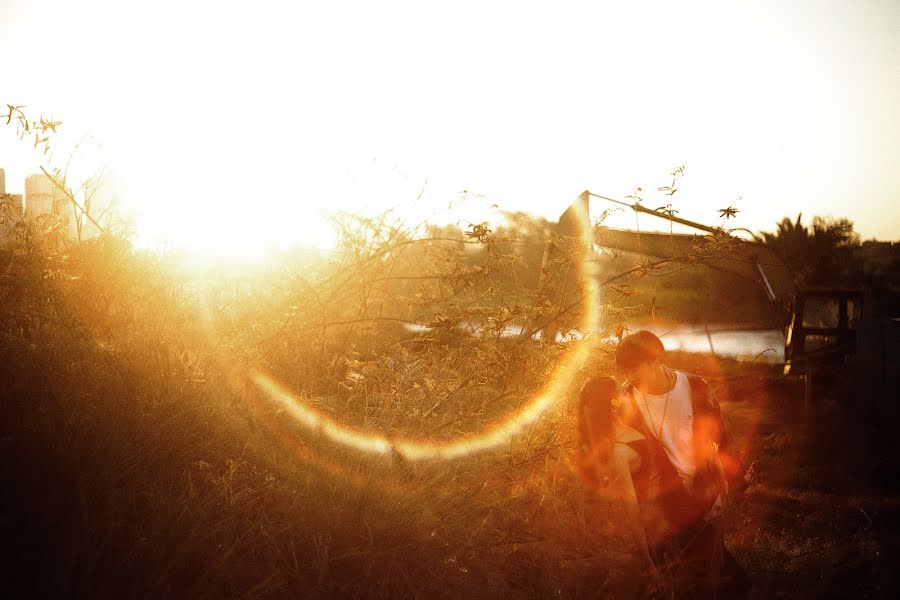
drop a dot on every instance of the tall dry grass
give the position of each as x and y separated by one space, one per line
140 461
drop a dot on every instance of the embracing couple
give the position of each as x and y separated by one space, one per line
661 442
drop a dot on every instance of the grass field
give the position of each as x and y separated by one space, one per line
193 497
139 460
819 517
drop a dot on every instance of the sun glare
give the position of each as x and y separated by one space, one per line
530 114
220 206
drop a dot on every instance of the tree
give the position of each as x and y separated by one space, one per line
825 253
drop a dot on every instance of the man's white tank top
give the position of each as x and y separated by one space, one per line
670 417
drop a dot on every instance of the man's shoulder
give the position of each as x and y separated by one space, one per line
688 374
695 381
702 396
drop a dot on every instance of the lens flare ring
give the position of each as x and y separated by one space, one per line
493 436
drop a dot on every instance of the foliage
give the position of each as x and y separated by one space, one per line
143 464
825 253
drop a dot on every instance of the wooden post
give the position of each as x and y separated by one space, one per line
807 388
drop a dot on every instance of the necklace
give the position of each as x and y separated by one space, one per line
662 420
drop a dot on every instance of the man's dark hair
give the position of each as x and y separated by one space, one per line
639 347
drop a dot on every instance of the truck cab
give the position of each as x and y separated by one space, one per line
822 330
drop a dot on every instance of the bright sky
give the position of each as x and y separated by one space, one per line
233 124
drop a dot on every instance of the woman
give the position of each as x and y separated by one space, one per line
614 455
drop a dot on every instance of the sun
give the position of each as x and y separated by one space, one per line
218 203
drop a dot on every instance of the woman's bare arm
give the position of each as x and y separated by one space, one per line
626 461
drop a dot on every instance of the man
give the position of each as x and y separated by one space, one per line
679 411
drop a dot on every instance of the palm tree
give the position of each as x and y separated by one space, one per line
823 254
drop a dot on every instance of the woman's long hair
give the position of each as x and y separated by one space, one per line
595 427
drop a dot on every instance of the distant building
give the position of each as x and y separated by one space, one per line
43 200
2 182
40 196
46 203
